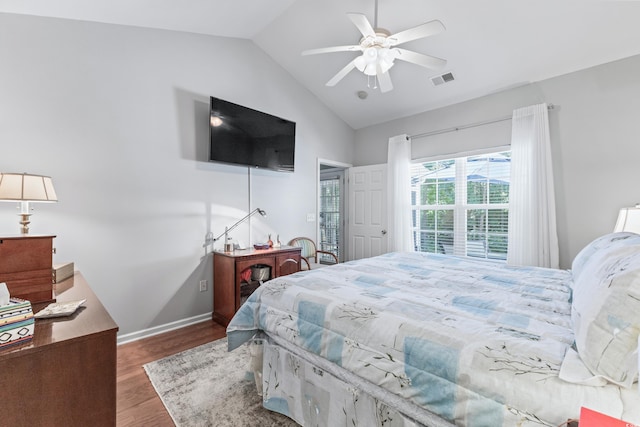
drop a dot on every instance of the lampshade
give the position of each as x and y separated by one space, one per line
25 187
629 220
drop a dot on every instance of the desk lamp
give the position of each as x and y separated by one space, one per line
25 188
228 247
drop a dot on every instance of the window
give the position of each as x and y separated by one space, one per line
461 206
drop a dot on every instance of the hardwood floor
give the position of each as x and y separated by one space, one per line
137 401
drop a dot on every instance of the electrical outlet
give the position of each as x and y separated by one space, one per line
203 285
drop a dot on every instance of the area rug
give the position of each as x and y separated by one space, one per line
208 386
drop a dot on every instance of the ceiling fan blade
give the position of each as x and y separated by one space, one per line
350 48
361 21
385 80
342 73
426 61
425 30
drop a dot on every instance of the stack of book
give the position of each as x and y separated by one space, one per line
16 322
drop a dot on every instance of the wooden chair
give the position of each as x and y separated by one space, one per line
309 251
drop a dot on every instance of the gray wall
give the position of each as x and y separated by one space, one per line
118 117
595 130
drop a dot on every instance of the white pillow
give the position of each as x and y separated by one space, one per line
605 311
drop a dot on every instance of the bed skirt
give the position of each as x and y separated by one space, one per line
312 392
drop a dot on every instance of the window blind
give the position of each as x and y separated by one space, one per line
460 205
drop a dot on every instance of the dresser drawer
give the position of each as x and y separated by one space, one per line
25 254
26 267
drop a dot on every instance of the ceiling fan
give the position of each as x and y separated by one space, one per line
379 51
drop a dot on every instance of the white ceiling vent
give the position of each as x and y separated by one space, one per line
442 79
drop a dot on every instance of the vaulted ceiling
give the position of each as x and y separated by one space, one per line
489 45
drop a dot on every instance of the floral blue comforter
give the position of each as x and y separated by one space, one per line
476 342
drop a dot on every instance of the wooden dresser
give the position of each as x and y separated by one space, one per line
65 376
230 289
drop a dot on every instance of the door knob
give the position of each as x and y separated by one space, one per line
384 232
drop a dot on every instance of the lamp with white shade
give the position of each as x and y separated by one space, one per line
25 188
629 220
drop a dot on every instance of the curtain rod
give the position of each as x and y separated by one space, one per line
471 125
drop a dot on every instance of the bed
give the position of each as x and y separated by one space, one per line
411 339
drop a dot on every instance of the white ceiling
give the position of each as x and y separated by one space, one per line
490 45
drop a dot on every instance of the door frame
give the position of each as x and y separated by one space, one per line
345 167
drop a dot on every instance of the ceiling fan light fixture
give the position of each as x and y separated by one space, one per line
375 60
379 52
386 57
371 54
367 62
370 70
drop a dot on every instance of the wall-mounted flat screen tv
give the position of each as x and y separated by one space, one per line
243 136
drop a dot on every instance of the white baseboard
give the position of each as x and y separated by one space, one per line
146 333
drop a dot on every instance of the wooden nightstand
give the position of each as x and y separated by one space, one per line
230 290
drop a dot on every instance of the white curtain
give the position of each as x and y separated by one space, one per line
399 194
533 239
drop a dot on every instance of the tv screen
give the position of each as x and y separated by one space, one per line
242 136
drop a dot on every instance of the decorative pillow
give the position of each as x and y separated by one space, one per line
605 311
586 258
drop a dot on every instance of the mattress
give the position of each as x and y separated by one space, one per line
475 342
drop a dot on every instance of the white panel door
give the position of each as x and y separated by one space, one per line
367 211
